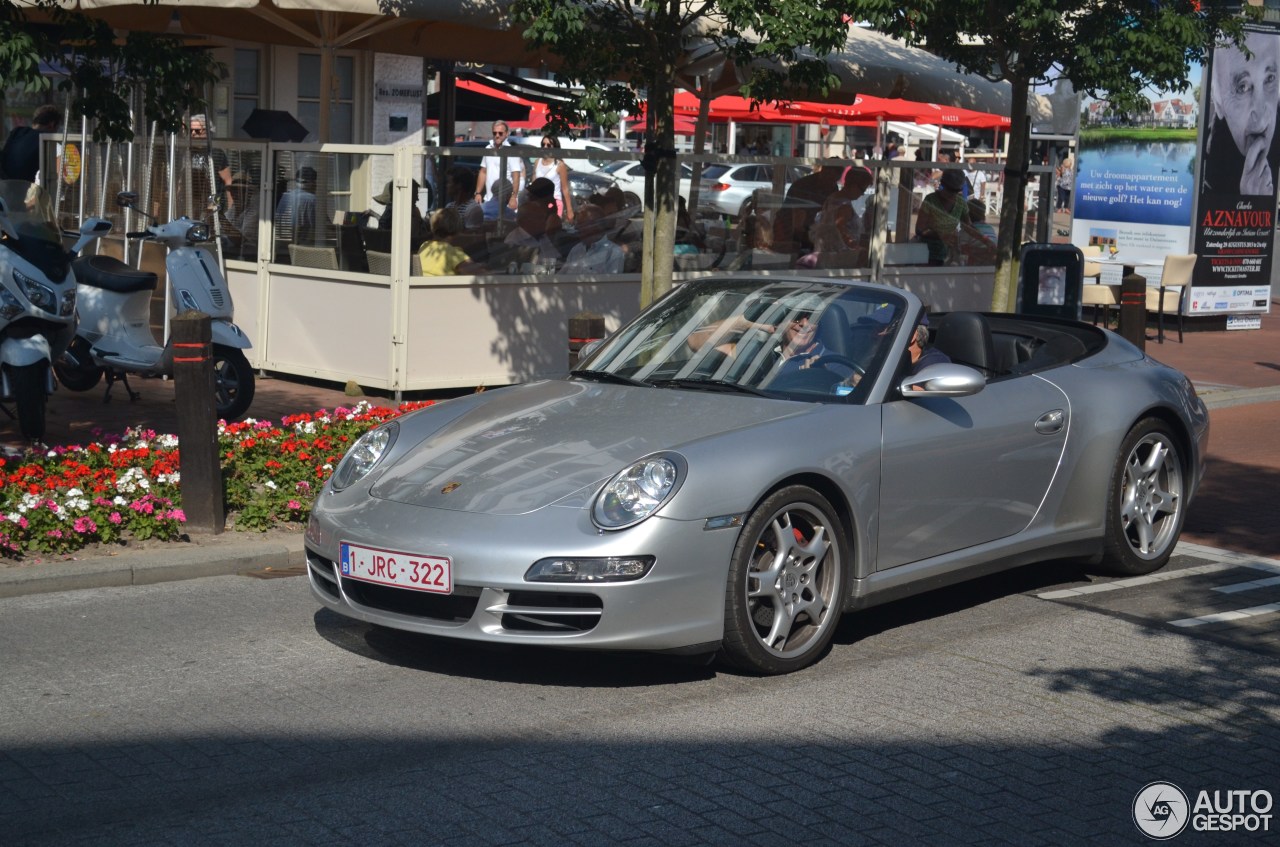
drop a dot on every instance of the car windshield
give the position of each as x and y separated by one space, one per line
791 339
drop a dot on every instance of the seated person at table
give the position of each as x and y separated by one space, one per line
595 253
440 256
498 200
534 219
418 230
462 199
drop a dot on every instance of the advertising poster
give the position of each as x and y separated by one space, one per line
1235 224
1136 183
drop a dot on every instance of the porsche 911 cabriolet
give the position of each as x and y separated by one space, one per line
748 460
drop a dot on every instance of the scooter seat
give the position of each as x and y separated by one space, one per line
112 274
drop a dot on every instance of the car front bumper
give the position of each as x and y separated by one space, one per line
678 604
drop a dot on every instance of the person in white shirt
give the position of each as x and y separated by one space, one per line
595 253
492 166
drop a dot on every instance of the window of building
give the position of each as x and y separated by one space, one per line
246 94
341 110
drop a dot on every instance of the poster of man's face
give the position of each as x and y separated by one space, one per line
1052 290
1244 95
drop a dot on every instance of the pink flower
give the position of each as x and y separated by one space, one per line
84 524
177 515
293 504
23 522
54 533
115 518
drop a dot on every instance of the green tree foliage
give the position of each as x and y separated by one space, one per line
1107 48
614 52
103 70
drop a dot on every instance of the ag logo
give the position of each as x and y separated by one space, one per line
1161 810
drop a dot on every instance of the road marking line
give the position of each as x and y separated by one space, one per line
1149 579
1238 614
1164 576
1248 586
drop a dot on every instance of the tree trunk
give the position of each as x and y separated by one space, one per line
662 173
1004 293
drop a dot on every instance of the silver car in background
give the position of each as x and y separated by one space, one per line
692 489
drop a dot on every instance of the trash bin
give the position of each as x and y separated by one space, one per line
1050 280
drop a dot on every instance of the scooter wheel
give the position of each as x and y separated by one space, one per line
28 383
232 382
76 369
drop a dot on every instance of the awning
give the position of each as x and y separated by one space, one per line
477 102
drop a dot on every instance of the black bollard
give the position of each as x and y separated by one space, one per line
1133 309
199 462
584 328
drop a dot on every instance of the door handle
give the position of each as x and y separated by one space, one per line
1051 422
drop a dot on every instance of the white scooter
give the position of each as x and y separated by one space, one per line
37 298
114 335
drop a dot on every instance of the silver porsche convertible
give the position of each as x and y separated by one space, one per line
748 460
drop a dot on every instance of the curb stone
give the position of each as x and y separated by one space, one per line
147 567
1218 398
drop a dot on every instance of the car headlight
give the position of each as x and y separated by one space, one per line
41 296
610 569
365 455
637 491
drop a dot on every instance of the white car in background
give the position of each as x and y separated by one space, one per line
728 189
587 164
630 178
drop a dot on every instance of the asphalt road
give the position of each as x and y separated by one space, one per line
1014 710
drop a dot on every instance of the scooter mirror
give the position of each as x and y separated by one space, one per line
127 199
198 234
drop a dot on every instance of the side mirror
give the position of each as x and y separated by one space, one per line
89 230
127 199
944 380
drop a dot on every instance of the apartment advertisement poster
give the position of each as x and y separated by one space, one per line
1135 184
1235 217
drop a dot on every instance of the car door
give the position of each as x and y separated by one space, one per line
963 471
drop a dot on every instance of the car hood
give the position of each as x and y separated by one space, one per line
524 448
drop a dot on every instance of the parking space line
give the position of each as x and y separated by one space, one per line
1235 588
1160 576
1235 615
1164 576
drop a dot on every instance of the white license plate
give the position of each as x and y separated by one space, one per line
395 567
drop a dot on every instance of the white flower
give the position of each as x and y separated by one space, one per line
270 484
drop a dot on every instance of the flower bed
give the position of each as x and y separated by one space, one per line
124 487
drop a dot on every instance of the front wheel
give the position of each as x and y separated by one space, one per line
786 584
29 384
76 369
1146 502
232 382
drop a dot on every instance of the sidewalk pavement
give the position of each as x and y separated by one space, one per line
1237 373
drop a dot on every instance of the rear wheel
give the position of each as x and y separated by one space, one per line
28 383
786 584
1145 503
232 382
76 369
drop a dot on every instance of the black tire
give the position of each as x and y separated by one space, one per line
76 370
1145 501
793 540
630 199
232 382
28 383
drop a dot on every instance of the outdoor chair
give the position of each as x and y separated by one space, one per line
1175 278
1100 297
313 257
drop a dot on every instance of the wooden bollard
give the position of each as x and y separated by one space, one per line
1133 309
584 327
199 462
